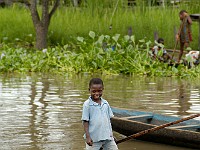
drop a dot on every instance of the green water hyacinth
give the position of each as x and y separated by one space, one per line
93 54
2 55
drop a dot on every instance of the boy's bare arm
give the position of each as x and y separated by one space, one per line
189 20
187 17
86 129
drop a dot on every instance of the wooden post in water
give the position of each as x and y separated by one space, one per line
196 17
155 35
130 31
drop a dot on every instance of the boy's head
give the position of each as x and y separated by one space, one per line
183 14
96 88
161 40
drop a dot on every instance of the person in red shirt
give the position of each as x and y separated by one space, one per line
184 34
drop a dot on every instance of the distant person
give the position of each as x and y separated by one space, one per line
96 119
158 51
184 34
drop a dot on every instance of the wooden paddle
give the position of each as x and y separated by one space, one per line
156 128
174 49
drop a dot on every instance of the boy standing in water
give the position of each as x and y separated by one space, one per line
96 119
164 57
184 33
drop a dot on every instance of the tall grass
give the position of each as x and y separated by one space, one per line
69 22
15 23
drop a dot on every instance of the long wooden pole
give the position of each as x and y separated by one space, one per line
199 33
174 49
110 27
156 128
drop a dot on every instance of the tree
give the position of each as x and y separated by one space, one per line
41 22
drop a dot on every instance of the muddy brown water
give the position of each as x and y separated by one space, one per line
43 112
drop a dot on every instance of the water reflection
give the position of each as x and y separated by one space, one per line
38 120
160 95
42 112
183 98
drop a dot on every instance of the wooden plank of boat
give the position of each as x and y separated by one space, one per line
186 127
127 124
140 116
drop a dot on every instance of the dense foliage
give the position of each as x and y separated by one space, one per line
71 50
94 53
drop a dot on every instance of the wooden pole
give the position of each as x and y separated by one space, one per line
199 33
176 42
155 35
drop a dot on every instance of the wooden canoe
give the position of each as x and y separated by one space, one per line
185 134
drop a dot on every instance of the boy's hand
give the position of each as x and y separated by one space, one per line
185 14
115 139
89 141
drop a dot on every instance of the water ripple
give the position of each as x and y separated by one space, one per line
41 113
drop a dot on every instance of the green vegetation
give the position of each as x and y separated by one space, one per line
106 51
71 22
102 54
